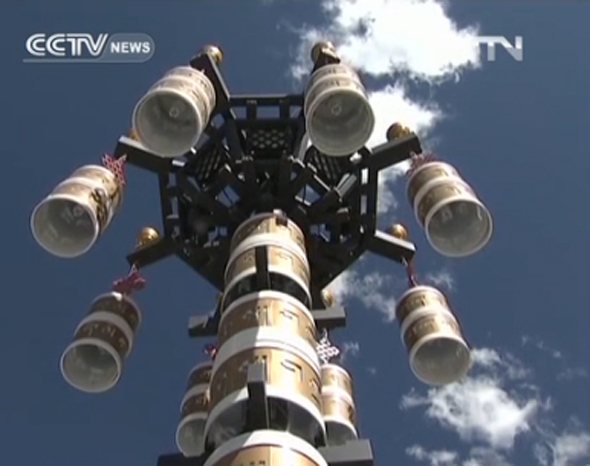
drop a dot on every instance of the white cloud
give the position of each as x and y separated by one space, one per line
567 371
477 456
349 348
441 279
567 448
480 407
433 457
492 408
373 290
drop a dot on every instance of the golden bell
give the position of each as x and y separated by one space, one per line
325 46
396 131
147 235
328 297
214 52
399 231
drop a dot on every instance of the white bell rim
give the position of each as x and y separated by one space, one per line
112 319
435 183
267 438
250 271
434 163
422 312
419 288
262 216
266 337
343 422
112 207
197 81
483 241
99 168
427 339
337 367
270 239
184 422
235 399
195 75
330 71
101 344
195 390
120 297
87 209
339 393
147 142
370 125
267 294
257 241
198 366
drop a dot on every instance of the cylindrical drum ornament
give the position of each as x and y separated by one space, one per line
338 408
455 221
69 221
269 225
338 116
292 385
170 118
268 448
438 353
288 269
93 362
267 309
194 408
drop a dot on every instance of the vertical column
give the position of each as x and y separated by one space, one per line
266 320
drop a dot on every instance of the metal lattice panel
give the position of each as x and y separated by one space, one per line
256 159
207 164
330 169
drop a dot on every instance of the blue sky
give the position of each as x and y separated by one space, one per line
515 130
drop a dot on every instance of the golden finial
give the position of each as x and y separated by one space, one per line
214 52
327 297
398 231
132 134
322 46
397 130
147 235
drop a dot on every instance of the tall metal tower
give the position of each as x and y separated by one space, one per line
269 198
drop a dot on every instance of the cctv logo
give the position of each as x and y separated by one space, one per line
61 45
85 48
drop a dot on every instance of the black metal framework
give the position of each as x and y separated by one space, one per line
255 157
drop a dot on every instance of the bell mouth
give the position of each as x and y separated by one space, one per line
190 435
458 226
440 359
167 122
64 227
91 365
340 123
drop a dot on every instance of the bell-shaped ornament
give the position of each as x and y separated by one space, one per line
195 404
338 116
338 408
170 118
93 362
69 221
455 221
438 353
